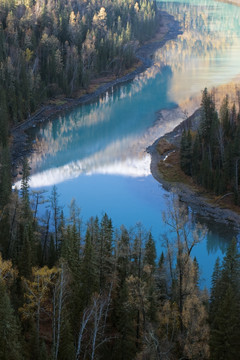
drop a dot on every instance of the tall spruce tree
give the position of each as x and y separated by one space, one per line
186 152
224 307
124 346
10 342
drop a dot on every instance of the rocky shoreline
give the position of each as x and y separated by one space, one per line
199 202
21 147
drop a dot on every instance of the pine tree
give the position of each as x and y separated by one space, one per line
25 258
224 116
215 293
161 279
186 152
123 320
224 307
125 344
89 279
194 317
25 191
52 257
10 345
150 252
105 251
56 215
66 349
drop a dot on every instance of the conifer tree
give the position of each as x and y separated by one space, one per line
25 191
10 343
56 215
105 251
89 280
150 252
186 152
125 345
224 307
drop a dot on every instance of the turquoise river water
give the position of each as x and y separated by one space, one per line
96 153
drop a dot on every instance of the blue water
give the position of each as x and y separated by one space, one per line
96 153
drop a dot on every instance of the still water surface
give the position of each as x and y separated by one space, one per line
96 153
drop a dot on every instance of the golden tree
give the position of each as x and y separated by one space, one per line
37 294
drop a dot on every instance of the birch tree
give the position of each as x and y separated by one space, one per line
37 295
184 283
59 298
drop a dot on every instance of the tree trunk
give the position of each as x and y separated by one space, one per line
236 174
59 312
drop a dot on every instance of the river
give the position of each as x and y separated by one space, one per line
97 152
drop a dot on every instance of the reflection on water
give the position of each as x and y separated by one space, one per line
217 242
218 236
207 52
130 168
109 137
107 133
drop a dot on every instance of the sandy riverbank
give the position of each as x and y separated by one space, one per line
169 29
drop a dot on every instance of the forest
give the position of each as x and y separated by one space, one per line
211 154
71 290
52 47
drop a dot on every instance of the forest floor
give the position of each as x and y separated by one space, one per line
165 168
168 29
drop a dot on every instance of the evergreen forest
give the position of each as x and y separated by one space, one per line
71 290
211 154
50 47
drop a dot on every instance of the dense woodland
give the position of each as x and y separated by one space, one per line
71 290
49 47
211 155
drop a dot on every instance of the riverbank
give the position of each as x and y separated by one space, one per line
169 29
165 168
232 2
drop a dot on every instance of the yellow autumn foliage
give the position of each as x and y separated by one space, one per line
37 294
7 272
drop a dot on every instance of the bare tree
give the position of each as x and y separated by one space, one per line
99 305
93 323
185 238
60 293
37 199
87 315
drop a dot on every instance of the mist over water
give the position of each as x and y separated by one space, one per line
97 152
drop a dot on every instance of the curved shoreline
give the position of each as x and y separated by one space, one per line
20 146
196 200
231 2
